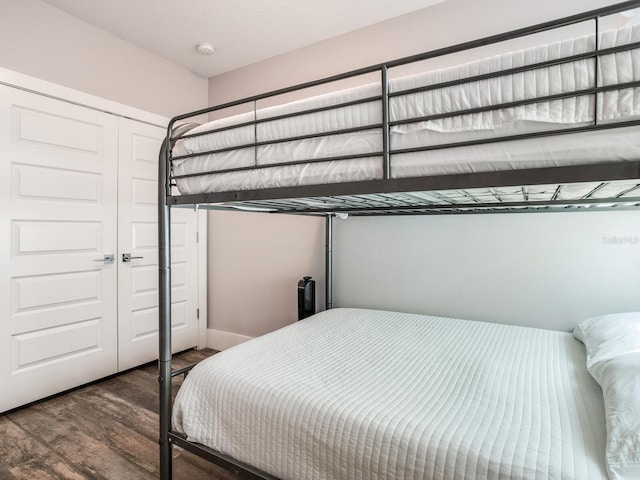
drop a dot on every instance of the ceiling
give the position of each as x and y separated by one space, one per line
242 31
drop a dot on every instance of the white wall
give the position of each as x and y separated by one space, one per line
448 23
548 270
39 40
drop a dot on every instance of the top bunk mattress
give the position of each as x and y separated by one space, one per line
363 394
261 151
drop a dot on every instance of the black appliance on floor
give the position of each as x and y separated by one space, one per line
306 297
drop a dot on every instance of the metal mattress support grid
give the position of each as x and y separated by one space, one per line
558 197
590 186
548 189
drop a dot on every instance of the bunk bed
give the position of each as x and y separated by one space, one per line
548 128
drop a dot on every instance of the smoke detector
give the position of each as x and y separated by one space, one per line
205 48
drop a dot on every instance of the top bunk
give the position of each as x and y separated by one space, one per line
553 126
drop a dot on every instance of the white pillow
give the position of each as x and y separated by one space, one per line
613 359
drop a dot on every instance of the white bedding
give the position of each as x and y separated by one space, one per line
357 394
609 145
612 343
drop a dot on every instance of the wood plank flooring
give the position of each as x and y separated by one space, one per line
104 431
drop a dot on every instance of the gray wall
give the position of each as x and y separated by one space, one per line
450 22
255 262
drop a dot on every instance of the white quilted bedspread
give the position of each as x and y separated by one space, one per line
357 394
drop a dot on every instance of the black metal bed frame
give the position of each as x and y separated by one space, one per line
399 196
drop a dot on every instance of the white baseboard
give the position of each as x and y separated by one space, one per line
221 340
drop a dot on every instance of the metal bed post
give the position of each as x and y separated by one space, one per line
329 262
386 132
164 327
596 66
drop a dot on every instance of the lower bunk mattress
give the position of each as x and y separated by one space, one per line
362 394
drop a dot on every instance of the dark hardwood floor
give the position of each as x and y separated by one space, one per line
104 431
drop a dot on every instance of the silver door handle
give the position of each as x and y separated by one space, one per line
126 257
107 258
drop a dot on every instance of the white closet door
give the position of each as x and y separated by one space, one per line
138 236
58 299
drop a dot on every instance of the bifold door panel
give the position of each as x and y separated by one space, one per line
58 186
138 252
77 192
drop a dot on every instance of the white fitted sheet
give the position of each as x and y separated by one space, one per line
360 394
610 145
